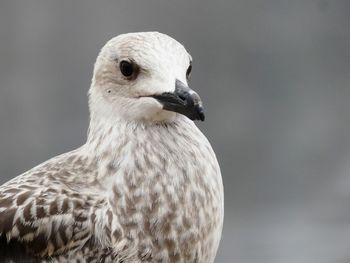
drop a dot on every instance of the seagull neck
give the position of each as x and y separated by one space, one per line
105 136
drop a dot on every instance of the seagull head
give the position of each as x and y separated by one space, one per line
143 76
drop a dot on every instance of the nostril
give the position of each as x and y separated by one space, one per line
182 97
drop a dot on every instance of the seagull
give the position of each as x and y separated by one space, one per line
145 187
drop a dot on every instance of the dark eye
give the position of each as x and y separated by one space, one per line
188 72
126 68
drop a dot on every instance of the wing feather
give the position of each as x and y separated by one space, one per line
44 221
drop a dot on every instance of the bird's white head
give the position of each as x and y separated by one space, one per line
143 77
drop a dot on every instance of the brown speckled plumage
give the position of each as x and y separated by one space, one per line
146 187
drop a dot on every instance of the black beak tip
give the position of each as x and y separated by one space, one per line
201 114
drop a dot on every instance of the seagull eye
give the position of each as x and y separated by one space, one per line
126 68
188 72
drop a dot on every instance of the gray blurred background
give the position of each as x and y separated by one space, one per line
274 76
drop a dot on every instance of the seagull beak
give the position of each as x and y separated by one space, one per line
183 100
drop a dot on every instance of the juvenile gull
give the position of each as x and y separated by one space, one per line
146 186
